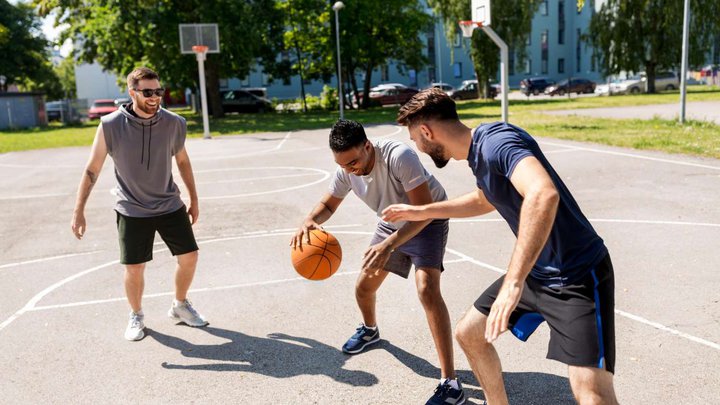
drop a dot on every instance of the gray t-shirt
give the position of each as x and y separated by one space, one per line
142 150
396 171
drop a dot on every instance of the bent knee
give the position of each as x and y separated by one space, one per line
470 330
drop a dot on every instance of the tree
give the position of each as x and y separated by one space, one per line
122 35
25 61
376 31
512 22
307 42
65 72
633 35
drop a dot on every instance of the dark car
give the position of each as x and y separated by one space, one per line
393 95
54 110
573 85
534 85
468 90
243 101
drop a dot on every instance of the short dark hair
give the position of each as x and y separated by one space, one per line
429 104
141 73
346 134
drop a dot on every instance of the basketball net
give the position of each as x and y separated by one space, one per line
467 27
200 51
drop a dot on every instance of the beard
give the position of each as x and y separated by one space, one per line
436 153
147 109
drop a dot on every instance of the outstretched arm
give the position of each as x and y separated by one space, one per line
468 205
537 215
324 209
87 182
185 168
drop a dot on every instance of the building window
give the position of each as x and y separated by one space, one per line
286 81
578 50
431 75
430 38
544 7
561 22
457 70
544 52
561 65
457 41
528 66
384 73
413 78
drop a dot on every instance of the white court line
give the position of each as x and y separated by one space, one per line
45 259
560 151
283 141
636 156
31 196
255 178
325 176
618 221
31 305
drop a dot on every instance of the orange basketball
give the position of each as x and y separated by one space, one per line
320 259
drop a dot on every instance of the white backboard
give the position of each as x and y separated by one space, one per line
199 34
481 11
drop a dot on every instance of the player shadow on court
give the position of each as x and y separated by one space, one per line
519 385
279 355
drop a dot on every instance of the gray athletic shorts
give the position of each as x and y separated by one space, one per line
426 249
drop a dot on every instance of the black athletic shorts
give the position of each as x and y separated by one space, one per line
137 235
581 316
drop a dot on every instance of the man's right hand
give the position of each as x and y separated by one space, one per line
78 224
304 233
403 212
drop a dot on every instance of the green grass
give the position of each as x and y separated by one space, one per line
694 138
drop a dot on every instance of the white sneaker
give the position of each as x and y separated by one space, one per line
184 311
135 326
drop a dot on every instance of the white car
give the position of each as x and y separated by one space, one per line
631 85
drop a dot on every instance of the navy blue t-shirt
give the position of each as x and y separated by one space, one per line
573 248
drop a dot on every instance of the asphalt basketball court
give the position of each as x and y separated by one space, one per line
276 338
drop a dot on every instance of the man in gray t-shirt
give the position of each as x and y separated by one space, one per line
382 173
143 138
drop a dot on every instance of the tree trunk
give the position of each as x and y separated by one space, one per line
366 86
302 78
212 86
650 77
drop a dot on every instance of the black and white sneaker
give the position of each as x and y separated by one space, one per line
445 394
362 338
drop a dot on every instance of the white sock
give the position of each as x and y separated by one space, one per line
453 383
373 328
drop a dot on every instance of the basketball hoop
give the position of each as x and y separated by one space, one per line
199 48
468 27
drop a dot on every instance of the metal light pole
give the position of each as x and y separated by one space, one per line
337 7
684 63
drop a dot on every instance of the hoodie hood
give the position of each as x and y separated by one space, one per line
147 126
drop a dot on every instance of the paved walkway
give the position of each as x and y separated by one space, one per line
698 110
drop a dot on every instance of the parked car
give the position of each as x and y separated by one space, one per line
243 101
54 110
122 100
101 107
572 85
442 86
665 81
535 85
468 90
392 95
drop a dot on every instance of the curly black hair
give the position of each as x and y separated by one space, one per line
346 134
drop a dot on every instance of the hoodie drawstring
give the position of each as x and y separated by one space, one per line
142 154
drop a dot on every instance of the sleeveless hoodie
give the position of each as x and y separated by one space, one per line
142 150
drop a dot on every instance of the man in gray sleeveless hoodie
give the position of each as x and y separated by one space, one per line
148 200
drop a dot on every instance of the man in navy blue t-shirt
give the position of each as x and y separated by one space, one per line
560 271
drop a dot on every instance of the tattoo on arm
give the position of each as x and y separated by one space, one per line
92 176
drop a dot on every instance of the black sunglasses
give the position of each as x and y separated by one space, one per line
150 92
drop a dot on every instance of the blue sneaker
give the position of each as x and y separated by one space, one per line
362 338
446 394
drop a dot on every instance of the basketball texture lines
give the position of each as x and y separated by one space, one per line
320 258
